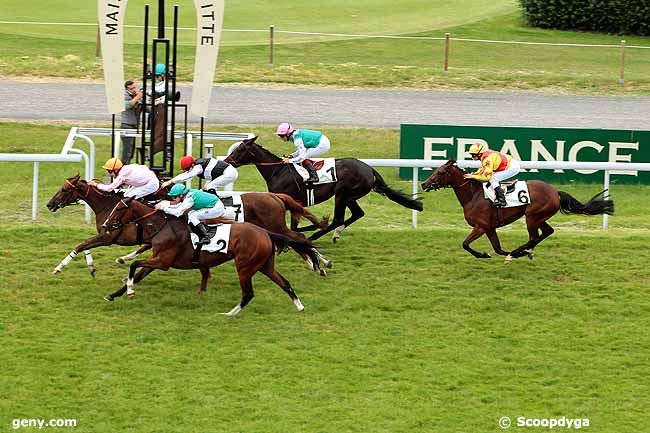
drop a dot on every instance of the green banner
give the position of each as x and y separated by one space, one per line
532 144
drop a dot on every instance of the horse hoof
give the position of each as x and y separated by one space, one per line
529 253
323 273
130 295
109 298
124 280
335 238
486 256
328 264
93 272
508 259
119 261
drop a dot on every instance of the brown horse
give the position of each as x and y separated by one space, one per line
545 201
266 210
251 247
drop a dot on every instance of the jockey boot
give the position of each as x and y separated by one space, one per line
500 200
211 191
313 176
204 234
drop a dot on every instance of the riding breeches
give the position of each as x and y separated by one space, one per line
500 176
196 216
144 190
229 176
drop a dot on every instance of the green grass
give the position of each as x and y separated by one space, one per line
68 52
408 333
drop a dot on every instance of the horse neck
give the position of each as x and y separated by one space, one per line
153 223
271 170
98 202
466 191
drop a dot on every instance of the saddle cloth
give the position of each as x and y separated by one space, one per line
516 193
219 242
233 204
325 168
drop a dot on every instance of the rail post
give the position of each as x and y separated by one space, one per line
445 67
271 43
621 76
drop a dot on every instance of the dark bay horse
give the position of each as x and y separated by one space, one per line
545 201
355 180
251 247
263 209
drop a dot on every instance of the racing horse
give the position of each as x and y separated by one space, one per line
355 179
545 201
262 209
251 247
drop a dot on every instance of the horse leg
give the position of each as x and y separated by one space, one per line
155 262
534 238
339 216
295 228
246 268
476 233
357 213
496 244
205 274
90 263
94 242
138 277
122 260
270 271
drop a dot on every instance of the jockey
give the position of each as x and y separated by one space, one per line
495 168
215 172
203 206
141 180
308 143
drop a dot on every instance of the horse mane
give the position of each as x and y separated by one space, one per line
266 151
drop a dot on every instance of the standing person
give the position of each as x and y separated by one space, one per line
495 168
141 180
308 142
202 206
216 172
130 115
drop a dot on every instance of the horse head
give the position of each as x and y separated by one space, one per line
120 214
249 152
68 194
447 175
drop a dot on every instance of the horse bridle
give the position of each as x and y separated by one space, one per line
119 224
229 159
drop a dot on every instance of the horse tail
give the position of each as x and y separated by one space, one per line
298 211
595 206
301 246
397 196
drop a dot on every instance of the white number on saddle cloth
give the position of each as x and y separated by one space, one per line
219 242
518 196
325 168
234 211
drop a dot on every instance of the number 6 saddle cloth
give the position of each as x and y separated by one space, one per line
219 242
325 168
516 193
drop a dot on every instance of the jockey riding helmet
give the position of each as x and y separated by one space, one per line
187 161
160 69
477 148
178 189
113 164
284 129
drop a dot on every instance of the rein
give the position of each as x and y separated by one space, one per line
147 215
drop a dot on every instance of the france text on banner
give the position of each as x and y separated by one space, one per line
209 18
111 24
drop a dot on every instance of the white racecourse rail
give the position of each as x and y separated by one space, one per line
37 158
417 164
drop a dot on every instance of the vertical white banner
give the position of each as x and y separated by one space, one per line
209 19
110 14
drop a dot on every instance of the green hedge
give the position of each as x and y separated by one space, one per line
611 16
